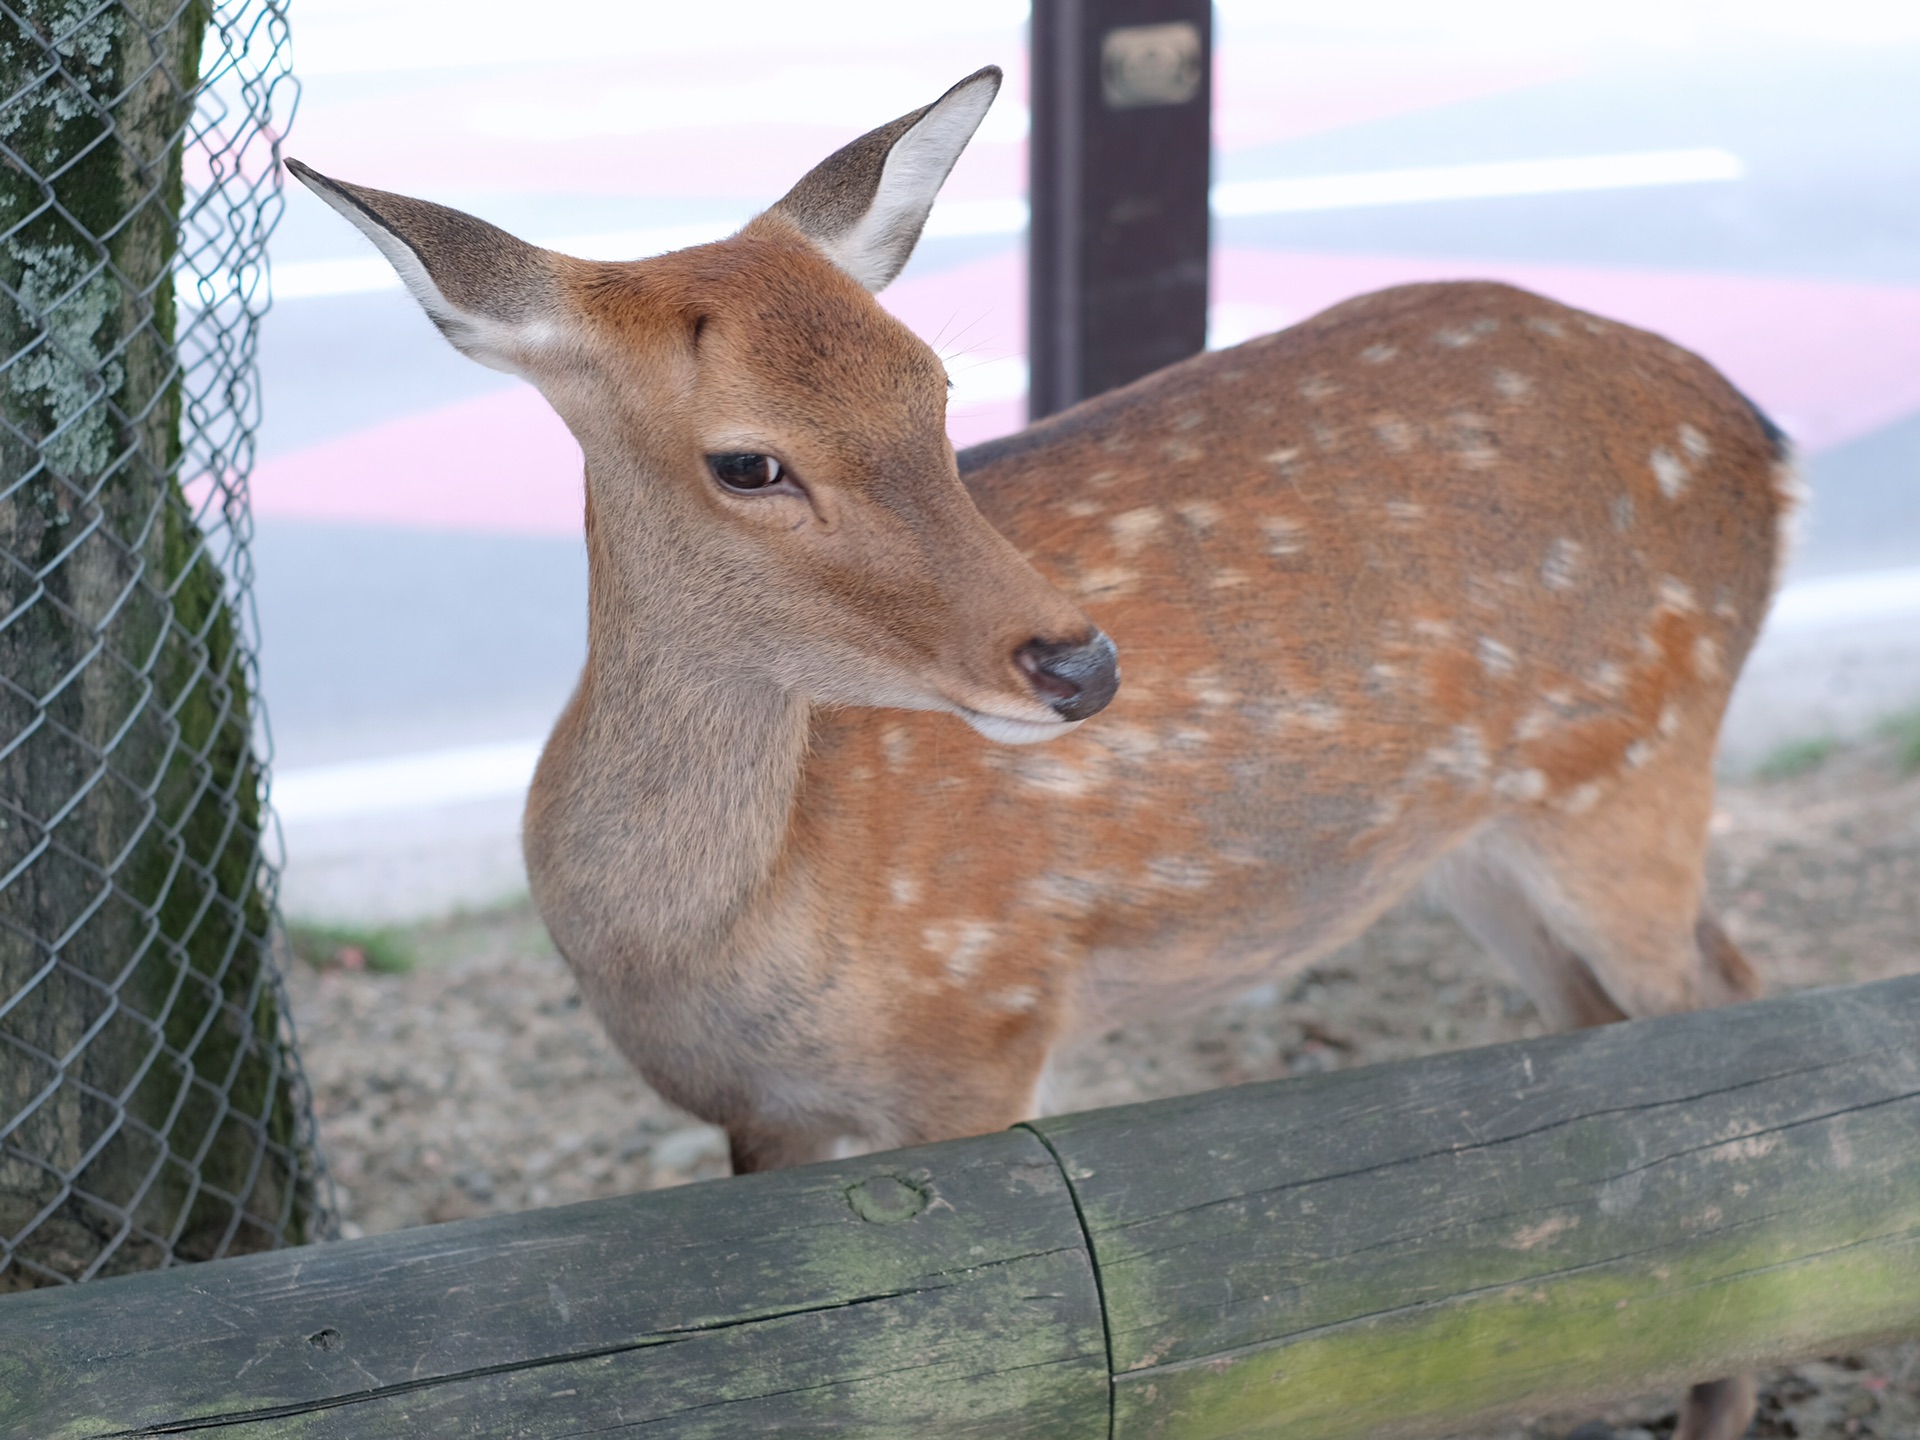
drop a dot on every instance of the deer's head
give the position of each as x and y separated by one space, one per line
768 470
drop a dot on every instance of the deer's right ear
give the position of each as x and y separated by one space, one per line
490 294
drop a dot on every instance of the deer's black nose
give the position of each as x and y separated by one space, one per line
1076 677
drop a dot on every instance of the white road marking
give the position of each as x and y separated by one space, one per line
1839 600
362 788
1498 179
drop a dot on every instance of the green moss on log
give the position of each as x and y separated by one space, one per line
1642 1323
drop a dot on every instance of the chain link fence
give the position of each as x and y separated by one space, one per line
152 1108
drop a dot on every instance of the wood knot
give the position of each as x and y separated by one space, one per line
887 1199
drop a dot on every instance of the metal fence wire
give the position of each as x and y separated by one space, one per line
152 1108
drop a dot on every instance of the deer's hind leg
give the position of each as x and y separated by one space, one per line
1602 913
1478 884
1602 916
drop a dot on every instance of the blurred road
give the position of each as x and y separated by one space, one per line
421 576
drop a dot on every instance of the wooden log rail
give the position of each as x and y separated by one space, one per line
1399 1250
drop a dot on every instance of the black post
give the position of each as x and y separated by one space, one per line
1122 97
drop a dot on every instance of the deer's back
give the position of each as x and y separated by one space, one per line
1437 551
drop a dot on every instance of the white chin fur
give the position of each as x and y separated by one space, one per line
1017 732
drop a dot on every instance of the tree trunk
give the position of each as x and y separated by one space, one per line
145 1105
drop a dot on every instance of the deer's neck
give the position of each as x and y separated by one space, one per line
669 809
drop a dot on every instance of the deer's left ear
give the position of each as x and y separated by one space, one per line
864 205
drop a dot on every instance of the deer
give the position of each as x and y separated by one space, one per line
1449 583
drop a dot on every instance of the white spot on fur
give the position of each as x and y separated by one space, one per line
1017 998
1561 569
961 946
1464 757
1285 535
897 745
1535 723
1206 688
1286 455
1609 679
1180 872
1202 515
1546 325
1180 452
1706 657
1069 775
1132 530
1073 894
1084 509
1406 514
1394 433
1520 785
1676 596
1669 472
1473 440
1669 725
1320 716
1579 801
1379 354
1429 629
1694 443
1128 743
1512 386
1192 420
904 888
1386 813
1496 658
1623 513
1458 337
1494 594
1105 581
1317 388
1638 754
1228 579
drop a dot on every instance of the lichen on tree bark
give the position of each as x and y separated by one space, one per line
138 1036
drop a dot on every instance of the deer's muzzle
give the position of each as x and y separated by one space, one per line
1075 678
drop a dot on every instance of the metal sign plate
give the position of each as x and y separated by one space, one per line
1143 65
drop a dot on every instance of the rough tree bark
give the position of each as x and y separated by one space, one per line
144 1104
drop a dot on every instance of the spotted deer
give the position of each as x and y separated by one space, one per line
1449 581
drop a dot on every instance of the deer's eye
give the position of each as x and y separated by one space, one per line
746 474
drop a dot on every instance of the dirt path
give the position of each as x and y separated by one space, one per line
476 1083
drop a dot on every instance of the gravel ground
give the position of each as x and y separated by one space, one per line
475 1083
